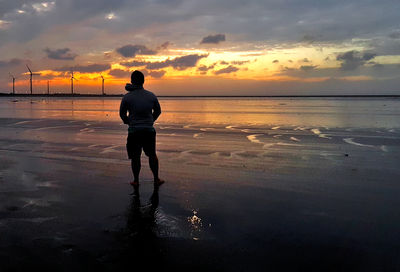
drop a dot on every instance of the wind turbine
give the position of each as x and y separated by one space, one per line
72 82
13 78
102 84
31 74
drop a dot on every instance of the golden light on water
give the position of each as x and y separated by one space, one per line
195 225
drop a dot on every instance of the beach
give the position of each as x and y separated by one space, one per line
276 184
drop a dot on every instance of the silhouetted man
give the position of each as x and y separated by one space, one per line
144 109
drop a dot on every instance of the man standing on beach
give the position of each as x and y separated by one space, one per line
144 109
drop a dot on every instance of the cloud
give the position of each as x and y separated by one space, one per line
223 62
214 39
165 45
133 50
288 69
304 60
351 60
134 63
118 73
11 62
308 38
378 66
154 74
227 70
275 61
203 69
395 35
178 63
4 24
91 68
43 6
239 62
257 21
307 68
371 69
368 56
60 54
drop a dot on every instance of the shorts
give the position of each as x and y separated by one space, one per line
140 139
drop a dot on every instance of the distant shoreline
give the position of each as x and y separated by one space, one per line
205 96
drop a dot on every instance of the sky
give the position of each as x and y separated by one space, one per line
189 47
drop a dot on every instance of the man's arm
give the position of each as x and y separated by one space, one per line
123 109
156 110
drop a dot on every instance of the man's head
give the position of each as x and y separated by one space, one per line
137 78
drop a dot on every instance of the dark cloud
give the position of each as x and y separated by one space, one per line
215 39
133 50
179 63
227 70
154 74
385 46
11 62
223 62
60 54
275 61
351 60
395 35
134 63
308 38
368 56
91 68
239 62
288 69
118 73
203 69
307 68
259 20
165 45
378 66
371 69
304 60
252 55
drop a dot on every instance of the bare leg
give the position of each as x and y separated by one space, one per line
153 162
135 163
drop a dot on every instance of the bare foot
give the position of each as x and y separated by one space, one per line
134 183
158 182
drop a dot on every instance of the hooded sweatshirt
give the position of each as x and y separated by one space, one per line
142 106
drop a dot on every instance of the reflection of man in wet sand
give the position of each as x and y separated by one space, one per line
141 219
144 109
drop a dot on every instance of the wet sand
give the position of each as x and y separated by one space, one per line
282 196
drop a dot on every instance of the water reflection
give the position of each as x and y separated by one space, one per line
141 219
351 112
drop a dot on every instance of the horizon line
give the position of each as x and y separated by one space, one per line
197 96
